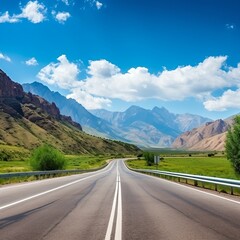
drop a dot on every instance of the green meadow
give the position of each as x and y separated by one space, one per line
217 166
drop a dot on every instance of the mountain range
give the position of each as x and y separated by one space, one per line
210 136
150 128
28 120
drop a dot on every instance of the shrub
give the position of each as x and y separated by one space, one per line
4 156
46 158
211 155
149 157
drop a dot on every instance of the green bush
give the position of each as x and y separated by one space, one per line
4 156
46 158
149 157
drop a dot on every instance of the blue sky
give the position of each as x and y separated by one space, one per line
110 54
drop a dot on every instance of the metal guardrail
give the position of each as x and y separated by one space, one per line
196 178
45 173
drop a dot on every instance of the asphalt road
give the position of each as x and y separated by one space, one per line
114 203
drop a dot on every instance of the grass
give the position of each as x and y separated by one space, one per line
217 166
85 161
82 162
73 162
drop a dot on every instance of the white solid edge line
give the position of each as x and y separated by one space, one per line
111 219
48 191
118 231
24 184
197 190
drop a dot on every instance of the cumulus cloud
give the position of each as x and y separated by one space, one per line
32 62
229 99
89 101
61 17
33 11
4 57
98 5
63 74
106 81
138 83
102 68
6 18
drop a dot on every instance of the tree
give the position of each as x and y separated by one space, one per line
149 157
232 144
46 158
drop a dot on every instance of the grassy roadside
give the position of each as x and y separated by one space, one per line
82 162
217 166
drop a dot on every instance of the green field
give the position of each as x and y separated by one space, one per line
73 162
82 162
217 166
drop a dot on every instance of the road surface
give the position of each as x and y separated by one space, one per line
114 203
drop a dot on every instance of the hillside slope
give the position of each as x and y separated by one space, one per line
149 128
28 120
210 136
70 107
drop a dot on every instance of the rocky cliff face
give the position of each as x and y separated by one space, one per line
210 136
8 88
17 103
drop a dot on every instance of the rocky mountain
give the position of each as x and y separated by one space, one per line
70 107
28 120
157 127
210 136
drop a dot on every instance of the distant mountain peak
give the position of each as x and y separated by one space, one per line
134 108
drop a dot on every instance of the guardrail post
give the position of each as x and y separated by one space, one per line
216 187
195 183
231 190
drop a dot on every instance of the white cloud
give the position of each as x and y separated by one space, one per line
89 101
6 18
102 68
61 17
229 99
66 2
95 3
32 62
63 74
138 83
4 57
105 81
33 11
98 5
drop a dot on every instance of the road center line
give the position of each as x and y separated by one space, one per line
118 232
49 191
117 200
110 223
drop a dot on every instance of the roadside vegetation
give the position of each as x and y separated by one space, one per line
208 164
45 158
18 159
233 144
